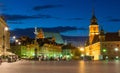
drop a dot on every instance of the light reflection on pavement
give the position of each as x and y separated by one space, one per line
60 67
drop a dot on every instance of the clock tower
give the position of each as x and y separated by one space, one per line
93 28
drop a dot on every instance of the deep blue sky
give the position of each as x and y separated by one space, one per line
54 13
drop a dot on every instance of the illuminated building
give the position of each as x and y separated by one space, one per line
4 37
47 44
101 45
50 44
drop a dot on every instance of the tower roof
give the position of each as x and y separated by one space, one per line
93 20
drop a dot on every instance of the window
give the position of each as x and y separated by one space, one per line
117 45
111 45
105 45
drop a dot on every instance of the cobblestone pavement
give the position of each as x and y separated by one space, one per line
24 66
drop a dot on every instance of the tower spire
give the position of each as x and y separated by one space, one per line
93 11
93 19
94 27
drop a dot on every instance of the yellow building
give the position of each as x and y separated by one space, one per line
102 45
4 37
49 45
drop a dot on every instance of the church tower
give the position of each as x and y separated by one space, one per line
93 28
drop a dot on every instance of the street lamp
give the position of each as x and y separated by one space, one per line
116 49
36 44
19 43
4 41
104 50
81 49
16 41
14 37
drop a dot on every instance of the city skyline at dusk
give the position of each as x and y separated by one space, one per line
24 14
59 36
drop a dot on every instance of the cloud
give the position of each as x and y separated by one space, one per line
37 8
114 20
60 29
82 28
23 17
44 16
18 17
14 22
75 19
29 31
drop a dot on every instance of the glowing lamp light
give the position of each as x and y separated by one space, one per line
61 55
14 37
6 29
81 49
96 33
19 43
93 52
117 57
82 55
116 49
104 50
16 40
67 56
106 57
71 54
33 54
87 54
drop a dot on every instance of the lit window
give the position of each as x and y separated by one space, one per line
117 45
111 45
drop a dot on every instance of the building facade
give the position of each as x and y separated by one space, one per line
101 45
4 37
47 44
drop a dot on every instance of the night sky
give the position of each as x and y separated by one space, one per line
24 14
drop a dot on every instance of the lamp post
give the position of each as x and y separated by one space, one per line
116 51
36 50
4 41
82 51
